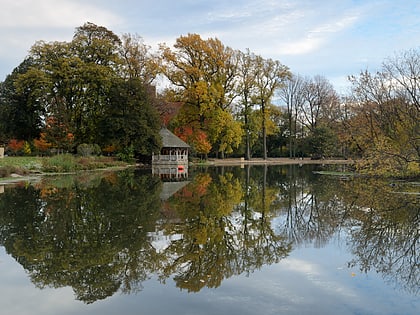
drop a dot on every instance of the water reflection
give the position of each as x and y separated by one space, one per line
105 233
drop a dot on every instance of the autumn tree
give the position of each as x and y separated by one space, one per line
15 146
386 105
203 74
138 60
270 75
246 90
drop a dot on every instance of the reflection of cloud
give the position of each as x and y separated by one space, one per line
15 286
317 277
299 265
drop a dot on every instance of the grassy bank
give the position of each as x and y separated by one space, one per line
64 163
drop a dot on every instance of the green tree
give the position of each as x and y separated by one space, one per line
23 102
68 89
131 120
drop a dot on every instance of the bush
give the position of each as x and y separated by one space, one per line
60 163
127 154
85 149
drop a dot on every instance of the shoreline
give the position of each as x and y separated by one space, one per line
274 161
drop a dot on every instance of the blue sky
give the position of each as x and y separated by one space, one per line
332 38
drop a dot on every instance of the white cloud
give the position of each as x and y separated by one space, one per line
51 13
24 22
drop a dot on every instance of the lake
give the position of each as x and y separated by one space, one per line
278 239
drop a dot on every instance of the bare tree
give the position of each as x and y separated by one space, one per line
292 96
320 101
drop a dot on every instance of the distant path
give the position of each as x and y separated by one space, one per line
276 161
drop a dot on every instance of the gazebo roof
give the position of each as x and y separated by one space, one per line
169 140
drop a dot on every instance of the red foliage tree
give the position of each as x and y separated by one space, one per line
15 146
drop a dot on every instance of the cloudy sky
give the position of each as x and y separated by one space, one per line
332 38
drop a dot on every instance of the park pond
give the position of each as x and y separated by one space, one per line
234 240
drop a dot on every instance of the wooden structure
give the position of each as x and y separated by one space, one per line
174 150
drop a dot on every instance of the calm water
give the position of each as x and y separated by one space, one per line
253 240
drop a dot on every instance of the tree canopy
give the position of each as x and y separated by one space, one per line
81 90
103 89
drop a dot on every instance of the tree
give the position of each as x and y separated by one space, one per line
137 59
320 102
131 121
203 74
246 90
292 96
66 90
269 76
23 102
386 104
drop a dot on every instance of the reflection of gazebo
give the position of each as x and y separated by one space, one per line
174 150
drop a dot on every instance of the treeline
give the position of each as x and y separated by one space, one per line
98 89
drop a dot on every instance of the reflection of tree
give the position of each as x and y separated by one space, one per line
218 242
98 236
93 239
387 238
311 209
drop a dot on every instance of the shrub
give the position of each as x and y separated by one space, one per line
26 148
85 149
60 163
15 146
127 154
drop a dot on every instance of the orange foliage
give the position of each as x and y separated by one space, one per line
42 144
196 137
184 133
109 149
15 145
200 142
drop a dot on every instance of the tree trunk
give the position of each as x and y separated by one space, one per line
247 149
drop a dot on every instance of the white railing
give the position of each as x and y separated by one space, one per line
170 158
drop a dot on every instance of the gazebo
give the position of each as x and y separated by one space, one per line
174 150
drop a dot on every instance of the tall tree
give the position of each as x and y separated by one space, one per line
138 61
292 96
98 48
269 76
320 101
246 90
203 72
130 123
69 88
23 102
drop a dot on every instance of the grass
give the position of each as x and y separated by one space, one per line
64 163
21 165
